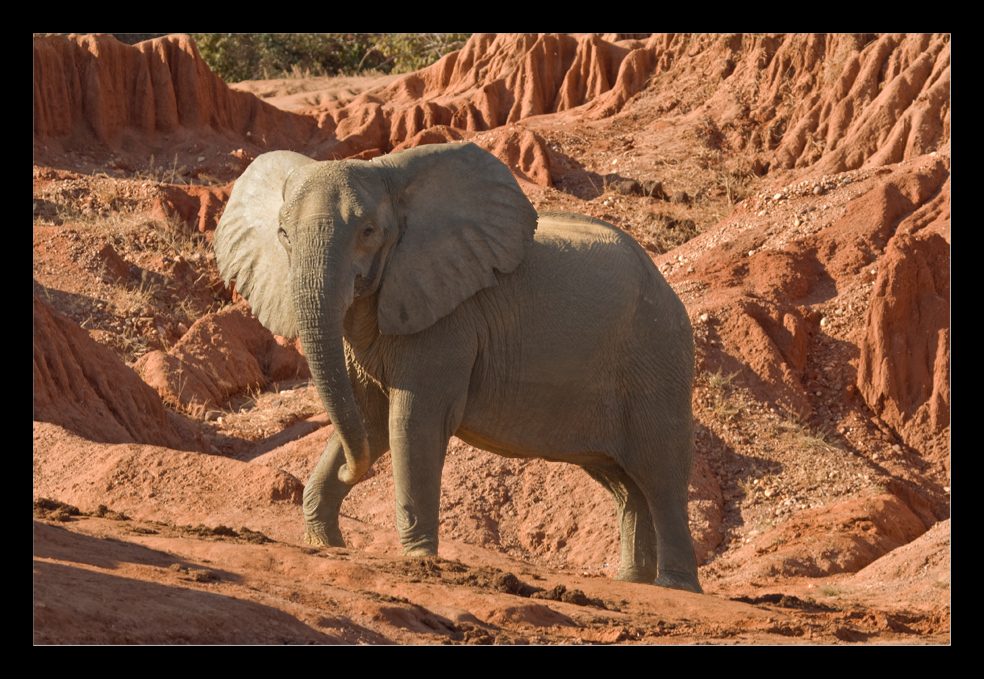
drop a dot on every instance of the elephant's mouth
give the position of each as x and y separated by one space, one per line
361 286
365 285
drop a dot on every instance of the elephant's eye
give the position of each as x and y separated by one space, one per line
284 238
368 232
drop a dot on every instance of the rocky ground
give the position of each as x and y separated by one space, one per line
795 192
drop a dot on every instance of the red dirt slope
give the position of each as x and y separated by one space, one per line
793 189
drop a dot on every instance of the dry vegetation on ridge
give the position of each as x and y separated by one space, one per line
793 189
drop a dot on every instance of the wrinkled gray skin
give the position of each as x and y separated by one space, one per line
432 301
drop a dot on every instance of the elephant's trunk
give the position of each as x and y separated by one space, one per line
320 309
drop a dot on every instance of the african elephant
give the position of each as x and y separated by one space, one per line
432 300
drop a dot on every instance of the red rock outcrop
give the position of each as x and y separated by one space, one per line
837 101
95 87
842 537
893 236
83 386
222 355
904 371
524 151
898 89
199 207
904 366
833 102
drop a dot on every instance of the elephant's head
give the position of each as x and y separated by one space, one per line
425 228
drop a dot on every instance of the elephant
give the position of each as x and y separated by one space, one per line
432 300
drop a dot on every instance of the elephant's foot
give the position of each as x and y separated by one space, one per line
321 537
676 581
418 547
422 551
644 575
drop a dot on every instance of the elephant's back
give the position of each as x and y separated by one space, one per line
560 227
571 233
607 276
582 278
550 218
599 254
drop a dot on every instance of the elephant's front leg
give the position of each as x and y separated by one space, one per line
419 434
323 495
324 491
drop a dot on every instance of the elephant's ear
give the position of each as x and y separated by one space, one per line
246 245
465 218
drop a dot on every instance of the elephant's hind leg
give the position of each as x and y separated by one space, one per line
660 462
636 531
677 562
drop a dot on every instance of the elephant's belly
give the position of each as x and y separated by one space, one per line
531 449
571 430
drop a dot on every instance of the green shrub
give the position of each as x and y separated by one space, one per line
412 51
253 56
